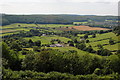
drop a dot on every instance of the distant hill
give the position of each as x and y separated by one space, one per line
53 19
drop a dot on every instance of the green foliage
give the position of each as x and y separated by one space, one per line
10 58
111 42
116 30
37 43
89 49
104 52
93 36
5 51
16 46
59 19
114 62
86 36
81 46
87 41
36 48
97 71
48 60
33 75
100 46
118 52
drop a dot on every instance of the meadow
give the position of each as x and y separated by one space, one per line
46 39
103 39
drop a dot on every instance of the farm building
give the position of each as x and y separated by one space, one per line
43 34
56 45
82 39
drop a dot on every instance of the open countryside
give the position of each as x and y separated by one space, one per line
56 47
87 28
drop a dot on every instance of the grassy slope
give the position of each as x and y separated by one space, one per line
63 49
104 36
47 39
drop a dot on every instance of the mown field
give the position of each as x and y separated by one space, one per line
46 39
103 39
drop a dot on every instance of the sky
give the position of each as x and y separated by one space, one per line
80 7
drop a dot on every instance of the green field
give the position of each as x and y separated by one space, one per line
13 28
80 52
104 36
63 49
104 39
99 39
47 39
80 23
34 25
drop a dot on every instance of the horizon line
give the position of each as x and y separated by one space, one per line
58 14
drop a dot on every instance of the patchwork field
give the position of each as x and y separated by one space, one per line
56 27
34 25
103 39
12 28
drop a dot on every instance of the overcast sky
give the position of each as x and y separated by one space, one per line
81 7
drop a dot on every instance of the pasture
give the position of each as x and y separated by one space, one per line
103 39
47 39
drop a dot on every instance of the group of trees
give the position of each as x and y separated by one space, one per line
82 46
27 74
10 58
116 29
48 60
101 51
19 43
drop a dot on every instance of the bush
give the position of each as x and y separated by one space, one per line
87 41
111 42
104 52
32 75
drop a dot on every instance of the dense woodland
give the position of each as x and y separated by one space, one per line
45 63
59 19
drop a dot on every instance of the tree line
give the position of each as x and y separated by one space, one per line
53 19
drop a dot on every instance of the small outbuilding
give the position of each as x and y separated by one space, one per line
56 45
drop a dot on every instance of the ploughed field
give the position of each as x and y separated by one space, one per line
87 28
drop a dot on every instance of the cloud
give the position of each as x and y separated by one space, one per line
50 1
60 6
